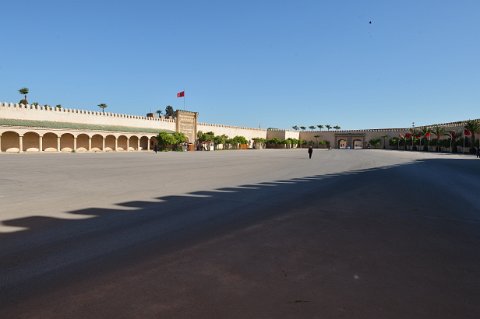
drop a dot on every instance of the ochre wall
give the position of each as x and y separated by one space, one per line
40 113
31 136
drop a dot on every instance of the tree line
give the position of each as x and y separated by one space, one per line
422 138
169 111
314 127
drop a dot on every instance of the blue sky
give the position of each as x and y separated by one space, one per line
249 63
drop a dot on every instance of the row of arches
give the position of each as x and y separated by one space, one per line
31 141
343 144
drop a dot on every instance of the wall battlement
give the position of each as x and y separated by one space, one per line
79 111
233 127
78 116
39 113
398 129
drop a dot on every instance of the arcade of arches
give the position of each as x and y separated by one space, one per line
349 140
37 140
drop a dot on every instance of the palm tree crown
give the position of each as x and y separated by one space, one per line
295 127
169 110
474 127
336 127
312 127
320 127
438 131
103 106
24 91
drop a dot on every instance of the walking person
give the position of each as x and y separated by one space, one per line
478 151
310 151
155 148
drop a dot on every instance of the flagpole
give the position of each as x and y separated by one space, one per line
184 99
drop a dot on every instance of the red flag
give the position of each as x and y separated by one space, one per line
408 135
181 94
427 135
467 133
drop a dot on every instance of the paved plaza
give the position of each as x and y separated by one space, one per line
240 234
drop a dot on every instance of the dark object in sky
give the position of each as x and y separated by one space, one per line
370 22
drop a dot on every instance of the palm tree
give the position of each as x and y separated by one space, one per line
402 137
426 131
474 127
384 137
320 127
58 106
413 133
316 138
438 131
336 127
159 112
328 126
24 91
295 127
303 128
375 142
312 127
103 106
169 111
453 136
393 141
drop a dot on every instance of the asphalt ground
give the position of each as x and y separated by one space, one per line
240 234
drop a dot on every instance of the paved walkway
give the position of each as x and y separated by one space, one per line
243 234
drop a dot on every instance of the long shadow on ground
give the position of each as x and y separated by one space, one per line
429 207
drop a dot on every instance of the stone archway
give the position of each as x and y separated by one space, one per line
144 143
10 142
357 144
67 142
133 143
31 142
122 143
110 143
97 143
342 144
153 142
49 142
82 143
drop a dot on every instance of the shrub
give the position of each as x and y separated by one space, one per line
165 140
239 140
375 142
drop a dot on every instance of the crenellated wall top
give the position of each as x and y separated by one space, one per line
449 124
162 119
281 130
233 127
79 111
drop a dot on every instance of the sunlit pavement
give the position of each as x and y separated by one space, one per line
240 234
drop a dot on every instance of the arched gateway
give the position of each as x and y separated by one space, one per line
349 140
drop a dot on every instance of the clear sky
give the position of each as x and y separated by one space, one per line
249 63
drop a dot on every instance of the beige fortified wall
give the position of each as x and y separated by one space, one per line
29 128
232 131
282 134
42 113
360 138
